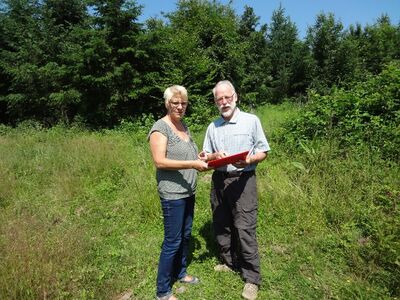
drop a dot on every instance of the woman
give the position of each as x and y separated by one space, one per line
175 157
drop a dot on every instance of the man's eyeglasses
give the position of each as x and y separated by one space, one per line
176 104
227 98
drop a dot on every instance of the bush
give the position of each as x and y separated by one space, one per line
369 113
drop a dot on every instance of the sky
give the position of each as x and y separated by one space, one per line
302 12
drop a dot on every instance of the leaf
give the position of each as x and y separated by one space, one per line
299 166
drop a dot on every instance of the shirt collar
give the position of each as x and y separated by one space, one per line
233 120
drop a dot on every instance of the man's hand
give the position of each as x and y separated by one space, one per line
251 159
243 163
220 154
203 155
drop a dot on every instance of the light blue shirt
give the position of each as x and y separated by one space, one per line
240 133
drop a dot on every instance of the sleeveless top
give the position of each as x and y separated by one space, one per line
176 184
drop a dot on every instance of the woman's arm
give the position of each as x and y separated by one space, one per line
158 146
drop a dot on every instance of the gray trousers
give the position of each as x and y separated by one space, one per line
234 206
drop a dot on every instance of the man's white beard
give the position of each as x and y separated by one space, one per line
228 113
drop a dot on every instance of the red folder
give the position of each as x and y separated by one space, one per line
231 159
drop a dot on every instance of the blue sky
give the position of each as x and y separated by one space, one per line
301 12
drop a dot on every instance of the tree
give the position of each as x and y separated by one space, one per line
21 57
4 78
109 71
380 44
256 78
203 47
330 54
287 57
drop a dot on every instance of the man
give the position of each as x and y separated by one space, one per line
233 188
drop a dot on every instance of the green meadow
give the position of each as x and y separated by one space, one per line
80 218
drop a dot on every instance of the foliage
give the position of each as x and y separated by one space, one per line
379 44
330 52
283 52
93 63
254 89
368 113
62 62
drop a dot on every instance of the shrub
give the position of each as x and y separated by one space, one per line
369 113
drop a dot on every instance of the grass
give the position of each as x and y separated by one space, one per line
80 219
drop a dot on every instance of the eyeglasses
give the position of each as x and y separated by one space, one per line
176 104
227 98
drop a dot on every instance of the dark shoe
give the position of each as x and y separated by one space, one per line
194 280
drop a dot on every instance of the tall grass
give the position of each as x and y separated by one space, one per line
69 202
80 219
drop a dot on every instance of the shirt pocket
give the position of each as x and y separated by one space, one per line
240 141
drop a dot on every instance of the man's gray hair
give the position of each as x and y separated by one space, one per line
223 82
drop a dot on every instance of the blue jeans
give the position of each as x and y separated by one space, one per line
178 220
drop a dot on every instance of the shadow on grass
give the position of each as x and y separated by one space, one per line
206 232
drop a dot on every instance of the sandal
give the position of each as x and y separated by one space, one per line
166 297
194 280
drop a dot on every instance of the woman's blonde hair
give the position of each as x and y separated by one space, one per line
175 90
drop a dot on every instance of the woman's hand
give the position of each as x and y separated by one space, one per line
200 165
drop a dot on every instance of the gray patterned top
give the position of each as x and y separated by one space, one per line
176 184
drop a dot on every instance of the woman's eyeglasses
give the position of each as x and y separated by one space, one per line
176 104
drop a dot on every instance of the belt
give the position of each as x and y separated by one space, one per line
234 173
